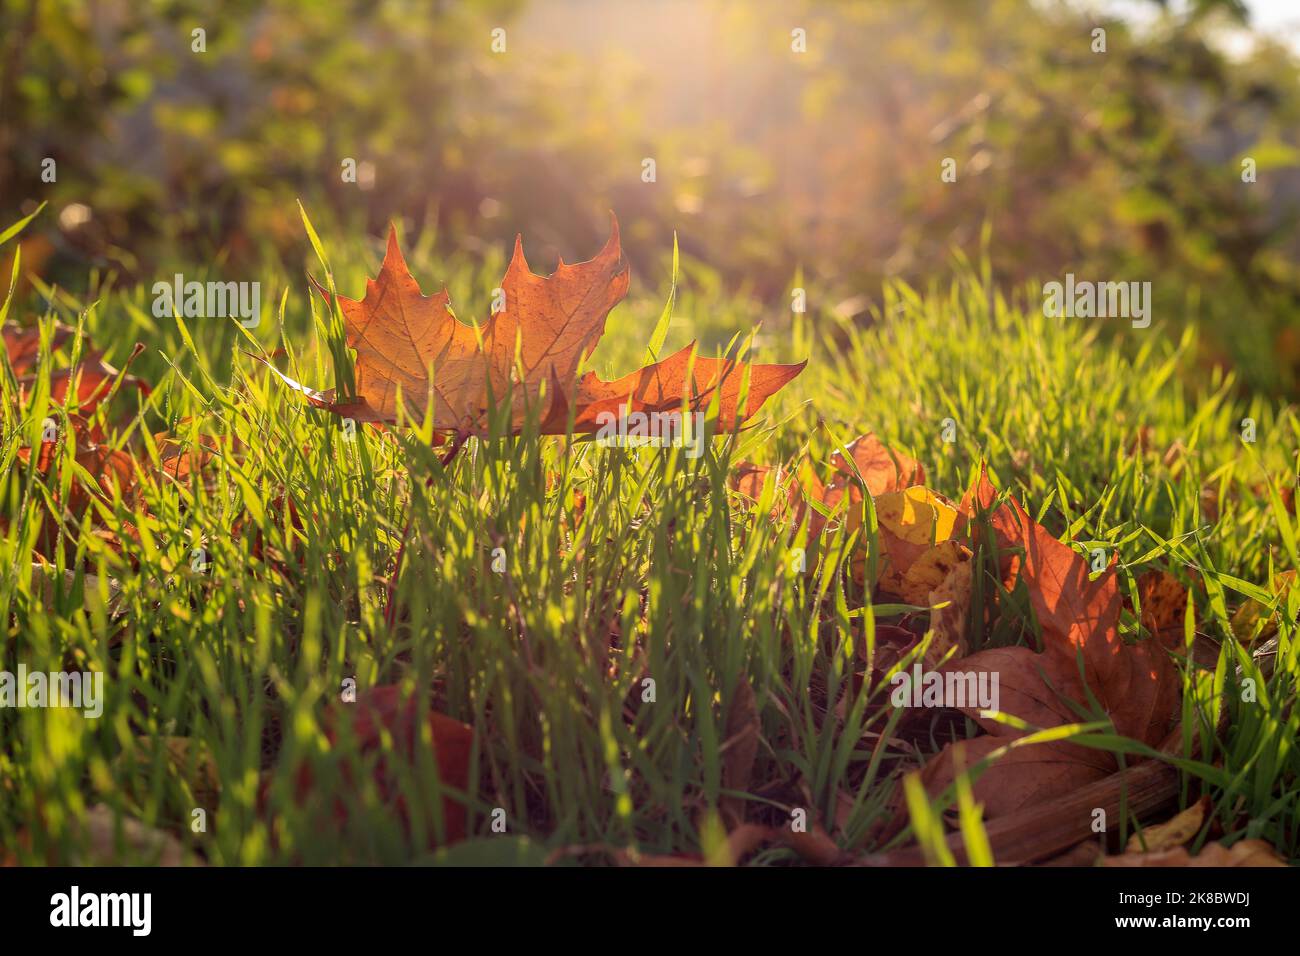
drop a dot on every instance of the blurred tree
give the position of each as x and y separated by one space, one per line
770 152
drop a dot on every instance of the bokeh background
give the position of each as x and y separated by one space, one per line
774 167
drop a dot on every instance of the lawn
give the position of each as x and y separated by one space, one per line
612 624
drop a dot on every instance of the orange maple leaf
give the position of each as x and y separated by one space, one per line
412 353
1084 664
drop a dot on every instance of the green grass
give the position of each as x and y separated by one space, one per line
667 576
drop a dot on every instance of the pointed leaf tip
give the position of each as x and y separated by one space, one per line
394 249
518 255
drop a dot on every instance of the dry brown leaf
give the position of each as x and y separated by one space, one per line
110 468
1024 776
1035 688
883 471
909 524
181 459
1135 685
1176 831
1164 604
1241 853
741 842
882 468
931 570
815 846
893 643
402 336
94 380
1079 614
1087 853
748 479
1254 621
46 580
22 343
385 723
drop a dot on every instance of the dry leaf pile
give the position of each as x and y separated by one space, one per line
1074 665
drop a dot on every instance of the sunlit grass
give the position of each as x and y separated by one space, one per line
620 566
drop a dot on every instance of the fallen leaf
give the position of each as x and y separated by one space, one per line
92 380
883 471
1087 853
22 343
949 622
882 468
1255 622
1038 689
1241 853
386 712
1083 660
911 523
684 378
110 469
747 479
413 345
1174 832
1164 604
181 459
1023 777
815 846
741 842
931 570
46 579
1079 613
893 643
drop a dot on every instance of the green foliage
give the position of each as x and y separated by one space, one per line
1120 165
